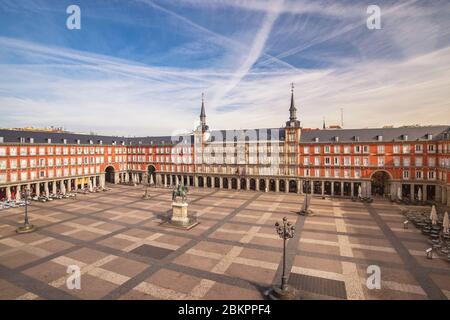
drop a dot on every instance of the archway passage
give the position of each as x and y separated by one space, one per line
109 174
292 186
262 185
380 183
272 185
243 184
151 170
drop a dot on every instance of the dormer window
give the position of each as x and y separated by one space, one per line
64 141
49 140
22 140
78 141
336 139
356 138
429 136
380 138
114 143
316 139
100 142
2 139
405 137
91 142
31 140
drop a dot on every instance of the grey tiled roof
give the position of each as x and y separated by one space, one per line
371 135
272 134
13 136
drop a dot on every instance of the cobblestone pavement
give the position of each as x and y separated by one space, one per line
116 239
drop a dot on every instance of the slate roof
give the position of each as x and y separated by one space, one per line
371 135
265 134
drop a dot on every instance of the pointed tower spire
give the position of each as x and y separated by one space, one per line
293 122
324 126
203 115
292 109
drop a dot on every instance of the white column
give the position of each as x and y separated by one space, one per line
8 193
18 193
38 191
46 191
54 187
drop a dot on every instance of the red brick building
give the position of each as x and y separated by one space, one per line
335 162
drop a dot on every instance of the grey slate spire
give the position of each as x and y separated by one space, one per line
203 115
293 122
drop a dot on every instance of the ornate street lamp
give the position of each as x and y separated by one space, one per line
27 227
284 292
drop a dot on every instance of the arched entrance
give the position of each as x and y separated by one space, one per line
262 185
233 183
109 174
293 186
272 185
243 184
252 184
380 183
151 170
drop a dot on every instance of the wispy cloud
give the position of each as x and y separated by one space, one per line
397 75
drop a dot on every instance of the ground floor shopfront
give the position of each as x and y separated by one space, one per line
430 191
16 191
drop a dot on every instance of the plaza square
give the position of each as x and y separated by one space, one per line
124 252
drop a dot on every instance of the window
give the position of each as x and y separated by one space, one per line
419 161
336 161
431 148
357 161
327 149
418 148
306 161
406 148
2 152
337 149
3 164
405 174
366 162
327 161
347 149
431 162
316 149
431 175
366 149
419 174
396 148
317 161
306 150
13 151
380 161
396 161
23 151
406 161
357 149
347 161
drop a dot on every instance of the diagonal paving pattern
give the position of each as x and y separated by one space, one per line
123 252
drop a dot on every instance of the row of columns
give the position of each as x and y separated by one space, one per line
168 180
65 185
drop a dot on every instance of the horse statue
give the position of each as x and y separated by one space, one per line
179 191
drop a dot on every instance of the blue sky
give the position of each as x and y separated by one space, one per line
139 67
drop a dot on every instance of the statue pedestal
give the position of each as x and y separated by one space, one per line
179 213
180 218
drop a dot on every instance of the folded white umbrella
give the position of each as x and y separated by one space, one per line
446 222
419 194
433 215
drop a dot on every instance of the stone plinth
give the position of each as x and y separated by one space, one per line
179 213
179 218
